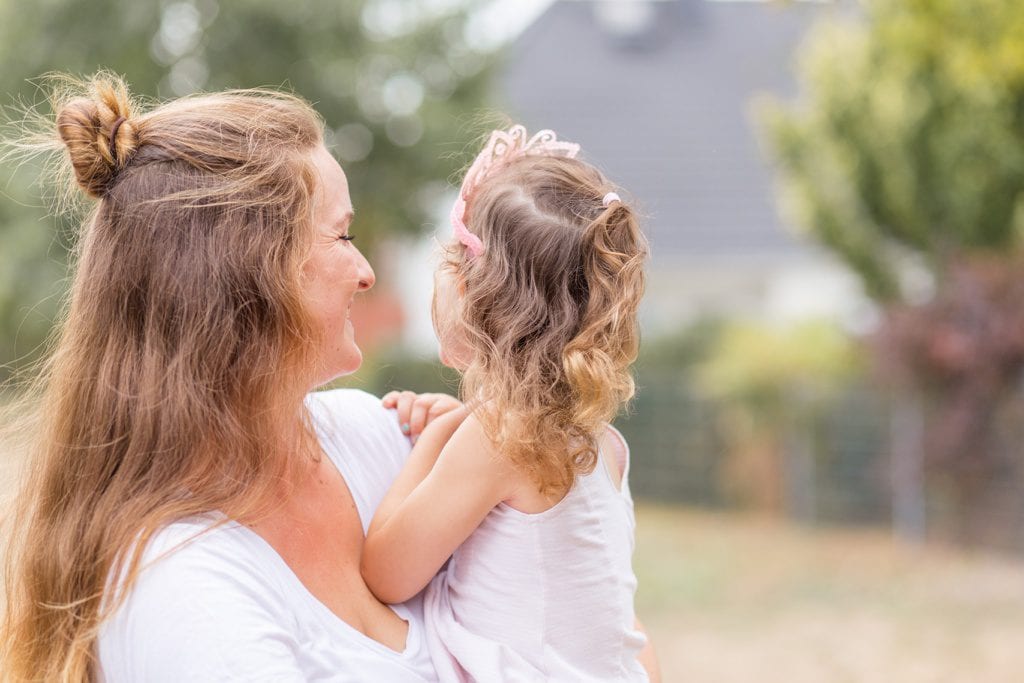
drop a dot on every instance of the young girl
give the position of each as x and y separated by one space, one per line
536 305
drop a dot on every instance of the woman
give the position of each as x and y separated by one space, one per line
192 512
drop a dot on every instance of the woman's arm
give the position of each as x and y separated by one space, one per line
439 498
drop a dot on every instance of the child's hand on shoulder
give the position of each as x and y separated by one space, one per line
416 411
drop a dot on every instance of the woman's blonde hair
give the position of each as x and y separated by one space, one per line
549 313
175 384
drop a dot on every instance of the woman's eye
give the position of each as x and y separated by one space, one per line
347 238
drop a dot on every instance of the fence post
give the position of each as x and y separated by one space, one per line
906 439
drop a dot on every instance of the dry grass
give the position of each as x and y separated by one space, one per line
730 598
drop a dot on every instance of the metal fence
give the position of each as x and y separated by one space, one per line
840 469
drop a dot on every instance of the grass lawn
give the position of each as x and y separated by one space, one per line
729 598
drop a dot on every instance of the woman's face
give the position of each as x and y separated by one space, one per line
454 351
334 272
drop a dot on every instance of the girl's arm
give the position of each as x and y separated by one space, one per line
421 460
647 658
439 498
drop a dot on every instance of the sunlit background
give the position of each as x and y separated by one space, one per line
827 437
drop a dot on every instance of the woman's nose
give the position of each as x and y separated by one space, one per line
366 276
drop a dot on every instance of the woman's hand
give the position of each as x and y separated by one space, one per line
416 411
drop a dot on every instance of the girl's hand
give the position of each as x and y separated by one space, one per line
416 411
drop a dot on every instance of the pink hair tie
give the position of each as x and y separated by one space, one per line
609 198
502 148
473 245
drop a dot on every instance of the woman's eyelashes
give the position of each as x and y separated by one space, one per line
346 237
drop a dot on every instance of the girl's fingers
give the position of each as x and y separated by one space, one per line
443 404
416 411
418 418
404 404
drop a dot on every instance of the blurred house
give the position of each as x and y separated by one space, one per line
659 93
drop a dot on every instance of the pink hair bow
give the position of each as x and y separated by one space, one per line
502 147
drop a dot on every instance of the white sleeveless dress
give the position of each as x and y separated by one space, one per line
542 597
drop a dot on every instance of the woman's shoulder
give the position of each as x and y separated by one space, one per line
196 536
353 414
203 592
200 554
345 404
363 440
352 423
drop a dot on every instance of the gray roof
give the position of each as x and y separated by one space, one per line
667 113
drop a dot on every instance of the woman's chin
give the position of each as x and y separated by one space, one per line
352 366
342 369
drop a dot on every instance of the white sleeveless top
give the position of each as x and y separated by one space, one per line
542 597
226 607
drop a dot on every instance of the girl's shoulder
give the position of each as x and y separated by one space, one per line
613 458
471 448
615 452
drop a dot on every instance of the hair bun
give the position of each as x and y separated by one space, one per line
99 134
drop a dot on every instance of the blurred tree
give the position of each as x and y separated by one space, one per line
776 386
962 355
394 80
966 342
906 158
908 147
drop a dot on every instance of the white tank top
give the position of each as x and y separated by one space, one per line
543 597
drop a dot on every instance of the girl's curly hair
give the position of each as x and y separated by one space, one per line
549 313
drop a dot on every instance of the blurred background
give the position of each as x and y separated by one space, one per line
828 437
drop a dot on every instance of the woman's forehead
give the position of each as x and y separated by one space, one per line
333 189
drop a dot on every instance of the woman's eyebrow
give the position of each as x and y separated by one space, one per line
347 218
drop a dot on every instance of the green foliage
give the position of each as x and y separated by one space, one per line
399 371
394 90
910 138
775 372
776 389
677 353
